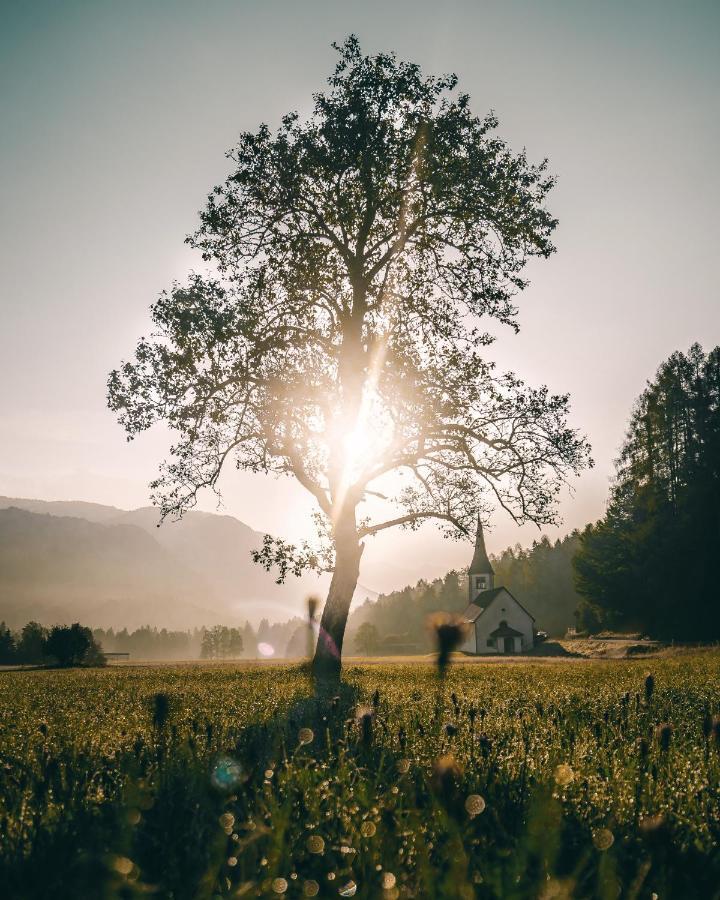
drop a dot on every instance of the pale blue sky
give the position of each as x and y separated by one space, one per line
115 119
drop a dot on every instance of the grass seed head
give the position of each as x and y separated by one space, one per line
707 725
451 729
313 604
664 736
715 731
364 716
649 686
161 710
449 631
446 776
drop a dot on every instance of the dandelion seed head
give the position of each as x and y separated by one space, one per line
133 816
315 844
122 865
226 774
474 805
603 839
306 736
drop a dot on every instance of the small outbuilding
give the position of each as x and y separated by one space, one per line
498 623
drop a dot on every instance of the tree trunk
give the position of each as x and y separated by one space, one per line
328 651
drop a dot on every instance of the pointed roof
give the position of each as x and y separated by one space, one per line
487 598
480 564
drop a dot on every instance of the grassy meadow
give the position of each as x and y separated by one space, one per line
543 780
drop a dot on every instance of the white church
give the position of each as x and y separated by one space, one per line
497 622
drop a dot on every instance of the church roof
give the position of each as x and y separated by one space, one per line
480 564
472 612
487 598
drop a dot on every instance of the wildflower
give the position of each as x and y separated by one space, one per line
376 698
311 888
451 729
472 715
484 744
279 885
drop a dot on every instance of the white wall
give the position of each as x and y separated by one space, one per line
469 645
503 607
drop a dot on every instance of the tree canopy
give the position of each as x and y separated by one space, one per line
651 562
357 259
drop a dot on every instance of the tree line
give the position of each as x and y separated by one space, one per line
62 645
215 642
650 563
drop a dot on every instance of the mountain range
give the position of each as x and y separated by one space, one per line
63 561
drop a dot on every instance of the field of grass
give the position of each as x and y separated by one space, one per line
532 780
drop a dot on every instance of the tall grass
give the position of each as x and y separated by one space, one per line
552 780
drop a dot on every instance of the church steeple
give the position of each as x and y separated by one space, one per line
481 573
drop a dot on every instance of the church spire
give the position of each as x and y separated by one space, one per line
481 576
480 564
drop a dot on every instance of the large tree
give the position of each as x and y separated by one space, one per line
357 258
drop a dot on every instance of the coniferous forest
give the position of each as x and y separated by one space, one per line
651 561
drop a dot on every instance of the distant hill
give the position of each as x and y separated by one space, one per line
63 560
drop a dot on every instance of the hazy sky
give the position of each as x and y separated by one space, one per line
115 117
